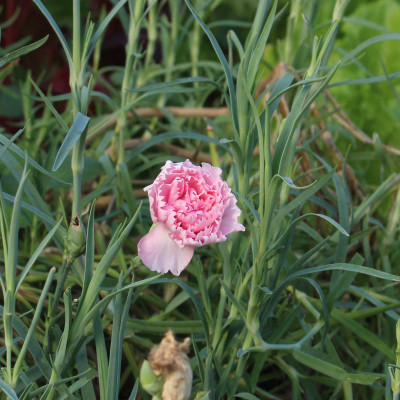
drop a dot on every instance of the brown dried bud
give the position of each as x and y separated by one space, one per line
170 360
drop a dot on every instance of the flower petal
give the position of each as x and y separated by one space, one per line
229 223
161 253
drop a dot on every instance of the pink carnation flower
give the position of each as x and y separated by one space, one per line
192 207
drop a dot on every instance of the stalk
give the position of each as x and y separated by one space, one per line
127 83
76 86
395 377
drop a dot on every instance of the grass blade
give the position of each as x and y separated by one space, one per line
58 32
77 128
22 51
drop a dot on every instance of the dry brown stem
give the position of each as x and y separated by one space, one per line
149 112
342 118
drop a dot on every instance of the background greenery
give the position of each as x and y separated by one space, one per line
302 305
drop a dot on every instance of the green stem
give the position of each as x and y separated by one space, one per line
8 338
242 362
77 168
347 390
62 277
76 36
76 85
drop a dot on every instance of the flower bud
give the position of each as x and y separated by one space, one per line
151 383
75 241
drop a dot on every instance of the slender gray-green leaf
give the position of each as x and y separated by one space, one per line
98 277
224 63
35 349
376 39
101 354
34 322
77 128
134 390
13 138
12 260
58 32
28 207
346 267
320 365
20 52
36 254
115 346
160 87
103 26
363 81
173 135
4 141
6 388
89 259
46 100
259 49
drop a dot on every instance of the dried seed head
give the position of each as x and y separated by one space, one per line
169 359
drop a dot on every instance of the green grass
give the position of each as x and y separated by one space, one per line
304 304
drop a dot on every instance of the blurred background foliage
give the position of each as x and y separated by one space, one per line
372 107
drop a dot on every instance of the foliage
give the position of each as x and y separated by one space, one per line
301 305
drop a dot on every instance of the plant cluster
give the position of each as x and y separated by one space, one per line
302 304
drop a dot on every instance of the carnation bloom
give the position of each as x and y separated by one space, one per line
192 206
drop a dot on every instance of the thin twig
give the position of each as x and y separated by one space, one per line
149 112
341 117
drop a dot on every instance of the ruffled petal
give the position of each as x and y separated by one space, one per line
229 223
161 253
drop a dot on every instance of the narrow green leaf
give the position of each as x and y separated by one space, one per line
115 347
98 277
34 322
134 390
246 396
89 259
376 39
101 354
58 32
258 51
174 135
363 333
82 362
224 62
199 361
234 301
22 51
364 81
46 100
35 349
77 128
36 254
5 142
332 370
12 260
160 87
27 393
101 29
299 200
4 386
14 137
28 207
156 326
346 267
